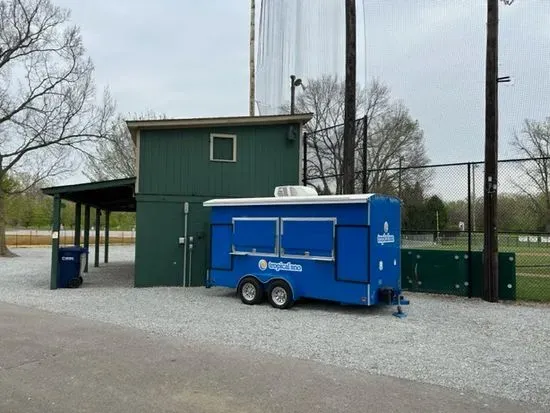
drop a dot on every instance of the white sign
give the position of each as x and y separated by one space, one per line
386 237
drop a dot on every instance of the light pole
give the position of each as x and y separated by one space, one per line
348 167
293 83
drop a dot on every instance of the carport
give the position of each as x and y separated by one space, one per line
104 197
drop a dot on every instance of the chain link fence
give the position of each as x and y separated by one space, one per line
443 205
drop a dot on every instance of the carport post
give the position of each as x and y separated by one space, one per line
97 234
54 276
77 220
107 215
86 233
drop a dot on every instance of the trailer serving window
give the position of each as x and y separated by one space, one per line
308 238
256 236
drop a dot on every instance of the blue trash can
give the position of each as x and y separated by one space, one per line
71 266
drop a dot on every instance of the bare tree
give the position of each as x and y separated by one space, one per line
48 104
393 138
115 156
112 158
534 143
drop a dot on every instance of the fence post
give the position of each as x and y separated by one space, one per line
469 230
304 160
399 176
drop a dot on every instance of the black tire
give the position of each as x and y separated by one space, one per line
279 295
80 280
250 291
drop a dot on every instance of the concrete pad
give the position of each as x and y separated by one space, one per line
54 363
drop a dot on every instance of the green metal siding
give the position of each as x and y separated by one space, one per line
159 257
177 162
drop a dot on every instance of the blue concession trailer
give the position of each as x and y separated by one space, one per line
343 248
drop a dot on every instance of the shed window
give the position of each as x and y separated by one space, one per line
223 148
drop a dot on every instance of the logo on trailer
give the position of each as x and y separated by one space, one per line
386 237
279 266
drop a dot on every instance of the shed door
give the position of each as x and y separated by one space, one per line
352 253
158 254
198 228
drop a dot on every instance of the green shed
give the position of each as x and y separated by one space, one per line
183 162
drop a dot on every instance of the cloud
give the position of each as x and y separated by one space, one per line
190 58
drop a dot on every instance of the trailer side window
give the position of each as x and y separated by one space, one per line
256 236
307 238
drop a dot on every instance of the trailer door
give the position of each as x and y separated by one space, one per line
352 253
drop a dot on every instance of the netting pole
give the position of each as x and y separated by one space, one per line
252 68
469 230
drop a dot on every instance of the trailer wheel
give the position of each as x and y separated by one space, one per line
280 294
250 291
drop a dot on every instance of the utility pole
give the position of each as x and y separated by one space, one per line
252 65
365 152
490 250
348 166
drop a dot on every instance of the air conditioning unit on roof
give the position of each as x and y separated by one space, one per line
294 190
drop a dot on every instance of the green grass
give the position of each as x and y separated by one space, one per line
533 288
532 263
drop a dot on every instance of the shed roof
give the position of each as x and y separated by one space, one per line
113 195
135 125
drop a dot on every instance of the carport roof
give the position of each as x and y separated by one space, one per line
113 195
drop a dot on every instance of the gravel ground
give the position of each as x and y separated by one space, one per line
498 349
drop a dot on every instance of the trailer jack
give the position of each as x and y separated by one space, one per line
393 297
399 313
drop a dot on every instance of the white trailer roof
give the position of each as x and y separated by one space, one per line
291 200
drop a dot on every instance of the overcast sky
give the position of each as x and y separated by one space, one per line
189 58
